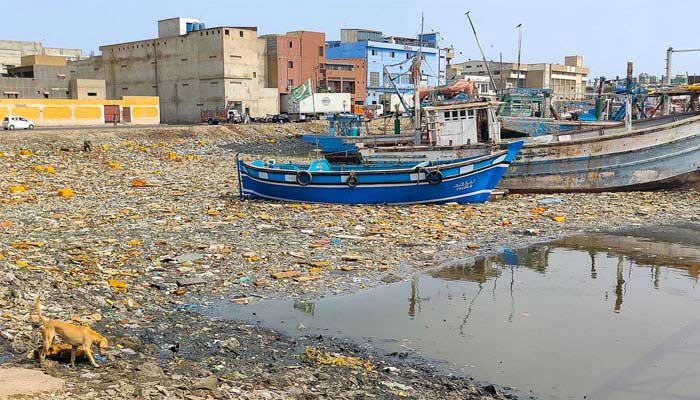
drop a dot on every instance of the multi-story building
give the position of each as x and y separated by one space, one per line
567 81
293 58
47 77
12 51
191 68
393 53
346 75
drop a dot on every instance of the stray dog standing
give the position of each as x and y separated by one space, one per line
74 335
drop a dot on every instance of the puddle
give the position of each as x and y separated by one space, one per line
606 316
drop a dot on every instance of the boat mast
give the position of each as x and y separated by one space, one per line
416 85
488 69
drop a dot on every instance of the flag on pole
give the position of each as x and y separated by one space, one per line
301 92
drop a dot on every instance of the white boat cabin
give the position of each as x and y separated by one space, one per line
460 124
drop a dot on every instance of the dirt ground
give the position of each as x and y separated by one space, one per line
132 235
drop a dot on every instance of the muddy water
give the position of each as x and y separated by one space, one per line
606 316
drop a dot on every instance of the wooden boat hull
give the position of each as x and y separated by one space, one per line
663 155
531 126
372 155
331 144
465 181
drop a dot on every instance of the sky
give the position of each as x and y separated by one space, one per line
607 33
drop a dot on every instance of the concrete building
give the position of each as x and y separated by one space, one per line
68 112
12 51
189 69
47 77
394 53
567 81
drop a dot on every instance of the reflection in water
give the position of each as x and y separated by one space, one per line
620 282
649 248
470 308
559 340
594 273
305 307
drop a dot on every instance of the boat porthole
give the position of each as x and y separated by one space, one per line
434 177
303 177
352 180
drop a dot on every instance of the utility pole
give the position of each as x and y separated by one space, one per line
520 44
500 64
488 69
669 54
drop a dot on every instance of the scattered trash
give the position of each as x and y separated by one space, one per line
322 357
549 200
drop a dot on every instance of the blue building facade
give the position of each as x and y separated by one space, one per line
391 51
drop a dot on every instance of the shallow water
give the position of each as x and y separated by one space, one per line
606 316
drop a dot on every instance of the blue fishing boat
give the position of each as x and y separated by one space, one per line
344 134
468 180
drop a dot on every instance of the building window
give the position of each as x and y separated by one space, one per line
291 45
255 74
447 116
235 56
290 64
226 32
240 33
92 94
374 79
212 56
374 52
125 88
393 54
408 55
185 84
462 114
183 59
471 113
290 84
320 51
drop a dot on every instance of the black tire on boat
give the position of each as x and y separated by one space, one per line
303 177
434 177
352 180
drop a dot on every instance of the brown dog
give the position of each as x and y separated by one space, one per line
74 335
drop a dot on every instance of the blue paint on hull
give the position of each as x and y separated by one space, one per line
466 181
330 144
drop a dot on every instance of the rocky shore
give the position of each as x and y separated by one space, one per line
128 236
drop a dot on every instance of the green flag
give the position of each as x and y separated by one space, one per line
301 92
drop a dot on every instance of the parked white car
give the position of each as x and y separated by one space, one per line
12 123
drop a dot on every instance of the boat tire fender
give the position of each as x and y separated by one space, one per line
303 177
434 177
352 180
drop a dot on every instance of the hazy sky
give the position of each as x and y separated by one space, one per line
608 33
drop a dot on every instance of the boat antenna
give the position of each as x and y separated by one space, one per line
488 69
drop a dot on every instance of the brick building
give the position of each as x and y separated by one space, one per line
293 58
346 75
